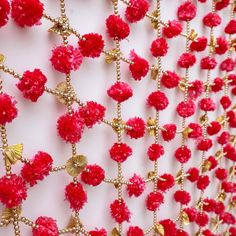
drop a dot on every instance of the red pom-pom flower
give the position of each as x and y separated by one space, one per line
136 186
154 200
120 211
186 60
158 100
186 11
119 152
159 47
4 12
172 29
136 127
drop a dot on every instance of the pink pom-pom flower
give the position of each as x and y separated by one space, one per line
183 154
199 44
170 79
119 152
166 182
186 60
159 47
137 127
158 100
120 211
4 12
172 29
186 109
136 186
212 19
182 196
155 151
154 200
186 11
208 63
169 132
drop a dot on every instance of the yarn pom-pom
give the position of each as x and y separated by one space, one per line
168 132
201 219
166 182
199 44
182 196
202 182
136 186
155 151
169 227
227 65
207 104
186 11
93 175
228 218
186 60
159 47
222 45
183 154
45 226
27 12
231 27
119 152
172 29
204 144
66 58
91 45
137 127
158 100
38 168
225 101
217 85
224 138
98 232
212 19
208 63
170 79
181 232
221 4
135 231
196 89
4 12
120 211
191 212
186 109
12 190
70 127
213 128
154 200
32 84
221 173
76 196
195 130
193 174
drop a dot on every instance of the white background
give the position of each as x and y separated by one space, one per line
35 127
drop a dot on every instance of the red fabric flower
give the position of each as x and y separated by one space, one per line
32 84
119 152
70 127
136 10
231 27
159 47
120 211
196 130
91 45
135 231
186 60
93 175
27 12
170 79
45 226
186 109
191 212
98 232
169 132
199 44
155 151
66 58
207 104
4 12
166 182
12 190
186 11
76 196
154 200
221 4
201 219
212 19
137 126
92 113
158 100
8 110
117 28
208 63
193 174
213 128
221 45
136 186
203 181
120 91
227 65
223 138
182 196
204 144
172 29
140 66
196 89
183 154
221 173
217 85
169 227
38 168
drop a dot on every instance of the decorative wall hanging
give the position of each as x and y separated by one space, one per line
207 111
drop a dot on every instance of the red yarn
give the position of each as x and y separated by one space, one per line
66 58
38 168
186 109
212 19
32 84
27 12
186 11
196 130
207 104
221 173
227 218
120 91
221 4
136 186
228 187
186 60
181 232
232 231
92 113
202 182
119 152
182 196
158 100
221 45
172 29
154 200
98 232
207 232
120 211
183 154
12 190
201 219
204 144
227 65
117 28
231 27
76 196
193 174
217 85
4 12
155 151
219 208
223 138
136 10
170 79
213 162
191 212
93 175
45 226
166 182
208 63
8 110
213 128
70 127
139 68
137 126
91 45
232 79
196 89
199 44
169 227
230 152
209 205
159 47
168 132
135 231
